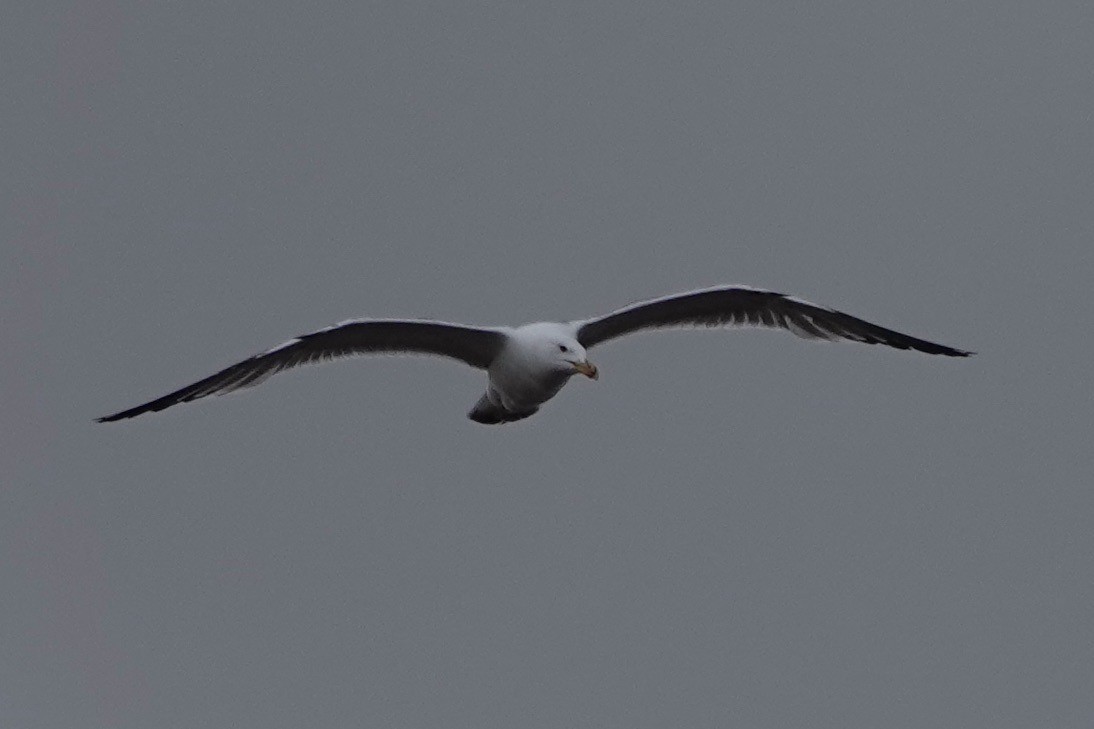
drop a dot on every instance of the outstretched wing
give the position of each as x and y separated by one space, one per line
475 346
741 306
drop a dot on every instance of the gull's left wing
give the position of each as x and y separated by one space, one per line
742 306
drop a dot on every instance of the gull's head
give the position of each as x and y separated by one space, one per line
571 357
555 347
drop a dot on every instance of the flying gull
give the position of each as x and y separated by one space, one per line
526 366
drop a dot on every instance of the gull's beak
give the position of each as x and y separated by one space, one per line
587 368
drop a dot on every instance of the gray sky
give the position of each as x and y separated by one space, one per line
729 529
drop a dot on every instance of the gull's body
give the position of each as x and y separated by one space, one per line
527 366
524 376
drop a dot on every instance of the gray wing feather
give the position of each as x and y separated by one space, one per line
741 306
475 346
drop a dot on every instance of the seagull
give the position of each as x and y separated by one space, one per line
526 366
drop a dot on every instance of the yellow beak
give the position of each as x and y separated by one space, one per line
588 369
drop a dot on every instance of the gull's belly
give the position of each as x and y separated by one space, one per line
523 390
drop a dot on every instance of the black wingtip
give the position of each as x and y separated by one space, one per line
131 412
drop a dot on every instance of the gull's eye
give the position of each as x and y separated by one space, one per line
563 348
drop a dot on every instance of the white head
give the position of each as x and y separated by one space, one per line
556 346
572 358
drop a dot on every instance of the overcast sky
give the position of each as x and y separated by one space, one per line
728 529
